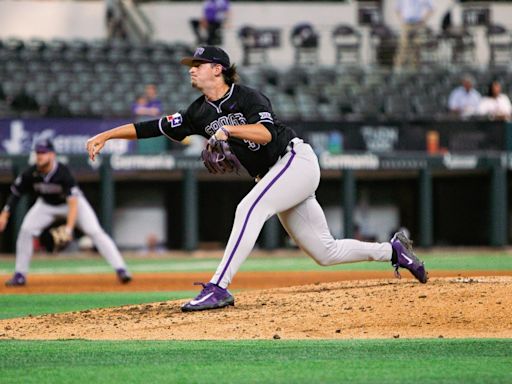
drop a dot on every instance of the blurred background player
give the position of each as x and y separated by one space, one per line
58 197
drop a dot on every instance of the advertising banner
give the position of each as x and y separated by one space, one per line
69 135
17 136
434 137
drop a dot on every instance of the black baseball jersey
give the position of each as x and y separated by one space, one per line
54 188
241 105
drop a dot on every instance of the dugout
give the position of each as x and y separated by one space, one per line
446 181
443 201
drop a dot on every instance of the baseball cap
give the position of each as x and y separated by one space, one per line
44 146
208 54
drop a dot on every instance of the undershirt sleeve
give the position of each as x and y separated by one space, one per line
147 129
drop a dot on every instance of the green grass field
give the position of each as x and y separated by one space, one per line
24 304
366 361
276 361
434 261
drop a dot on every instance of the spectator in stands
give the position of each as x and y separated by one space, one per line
23 103
208 29
148 106
495 105
55 109
114 20
464 100
413 15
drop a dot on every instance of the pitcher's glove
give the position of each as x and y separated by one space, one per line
60 237
218 157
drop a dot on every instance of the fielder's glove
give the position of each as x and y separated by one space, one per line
218 157
60 237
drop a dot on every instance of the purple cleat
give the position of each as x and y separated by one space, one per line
17 280
212 296
123 276
405 257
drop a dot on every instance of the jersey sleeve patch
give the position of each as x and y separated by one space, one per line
265 117
175 120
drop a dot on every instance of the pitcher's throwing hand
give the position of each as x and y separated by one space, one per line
94 146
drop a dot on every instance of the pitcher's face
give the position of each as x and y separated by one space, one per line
203 74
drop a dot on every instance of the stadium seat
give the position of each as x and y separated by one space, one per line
384 42
499 40
256 42
97 108
79 108
347 43
305 40
429 48
13 44
462 46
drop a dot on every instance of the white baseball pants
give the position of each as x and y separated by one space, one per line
288 190
42 214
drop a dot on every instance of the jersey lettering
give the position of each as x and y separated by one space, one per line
231 119
237 119
53 191
252 145
46 188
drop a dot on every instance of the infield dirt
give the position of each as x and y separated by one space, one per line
448 307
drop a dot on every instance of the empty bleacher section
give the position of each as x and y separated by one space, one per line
89 78
101 78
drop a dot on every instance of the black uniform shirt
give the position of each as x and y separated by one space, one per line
54 187
241 105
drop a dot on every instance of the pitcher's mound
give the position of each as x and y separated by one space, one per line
444 307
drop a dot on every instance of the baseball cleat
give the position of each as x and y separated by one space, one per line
124 276
212 296
17 280
406 258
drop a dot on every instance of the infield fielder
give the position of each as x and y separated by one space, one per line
58 196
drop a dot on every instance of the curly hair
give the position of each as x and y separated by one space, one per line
230 75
